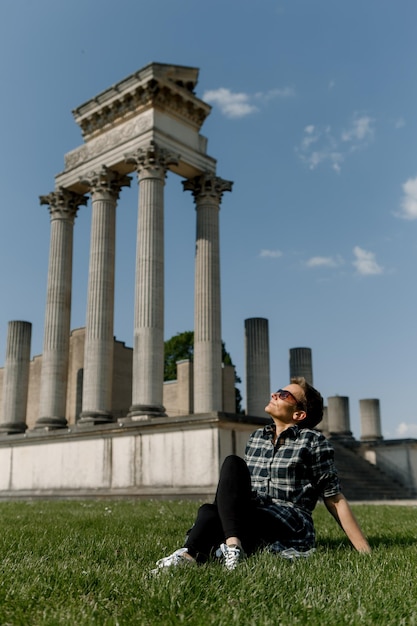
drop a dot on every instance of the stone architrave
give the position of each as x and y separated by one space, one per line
207 191
63 205
104 187
151 164
16 378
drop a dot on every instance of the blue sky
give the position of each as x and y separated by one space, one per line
314 119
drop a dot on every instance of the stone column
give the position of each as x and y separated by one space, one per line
370 420
228 388
16 378
207 190
104 187
258 382
301 363
338 416
151 164
185 387
63 206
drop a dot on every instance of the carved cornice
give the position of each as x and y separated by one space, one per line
207 185
119 107
106 181
152 157
63 204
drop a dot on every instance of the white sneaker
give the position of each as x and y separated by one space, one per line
292 553
173 560
232 555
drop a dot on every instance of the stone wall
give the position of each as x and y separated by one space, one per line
160 457
396 457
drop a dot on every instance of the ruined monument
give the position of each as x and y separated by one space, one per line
90 416
141 127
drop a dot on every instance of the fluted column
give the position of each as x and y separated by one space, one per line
63 206
104 187
370 413
301 364
151 164
207 190
339 416
258 385
16 378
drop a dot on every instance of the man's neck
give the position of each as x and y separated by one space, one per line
280 427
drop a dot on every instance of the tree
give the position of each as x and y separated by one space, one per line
181 347
178 348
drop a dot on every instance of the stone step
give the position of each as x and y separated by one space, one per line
360 480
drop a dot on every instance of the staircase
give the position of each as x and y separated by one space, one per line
360 480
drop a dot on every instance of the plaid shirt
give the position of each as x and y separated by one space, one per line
289 477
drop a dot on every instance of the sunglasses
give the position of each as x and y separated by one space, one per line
287 396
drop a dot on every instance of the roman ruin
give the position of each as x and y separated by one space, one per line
91 416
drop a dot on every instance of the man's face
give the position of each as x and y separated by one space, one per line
283 408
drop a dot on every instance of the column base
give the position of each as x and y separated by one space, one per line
50 423
12 428
137 411
95 417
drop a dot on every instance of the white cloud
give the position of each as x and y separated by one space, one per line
336 161
365 262
360 129
315 158
231 104
405 430
409 201
241 104
323 261
310 137
270 254
399 123
321 145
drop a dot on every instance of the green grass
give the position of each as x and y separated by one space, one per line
81 563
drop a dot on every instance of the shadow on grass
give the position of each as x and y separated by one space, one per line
387 541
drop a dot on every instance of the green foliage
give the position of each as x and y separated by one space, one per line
88 563
181 347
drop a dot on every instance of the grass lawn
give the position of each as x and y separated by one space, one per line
88 562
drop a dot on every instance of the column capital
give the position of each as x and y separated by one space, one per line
153 158
207 185
106 181
63 203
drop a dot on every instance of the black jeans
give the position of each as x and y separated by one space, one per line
233 514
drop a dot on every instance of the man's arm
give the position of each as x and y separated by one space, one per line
339 507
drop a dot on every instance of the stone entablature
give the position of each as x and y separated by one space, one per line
168 87
154 104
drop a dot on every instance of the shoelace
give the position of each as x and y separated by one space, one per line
231 556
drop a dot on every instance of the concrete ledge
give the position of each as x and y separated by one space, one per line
116 494
161 457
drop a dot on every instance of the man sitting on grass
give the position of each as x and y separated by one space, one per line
267 500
